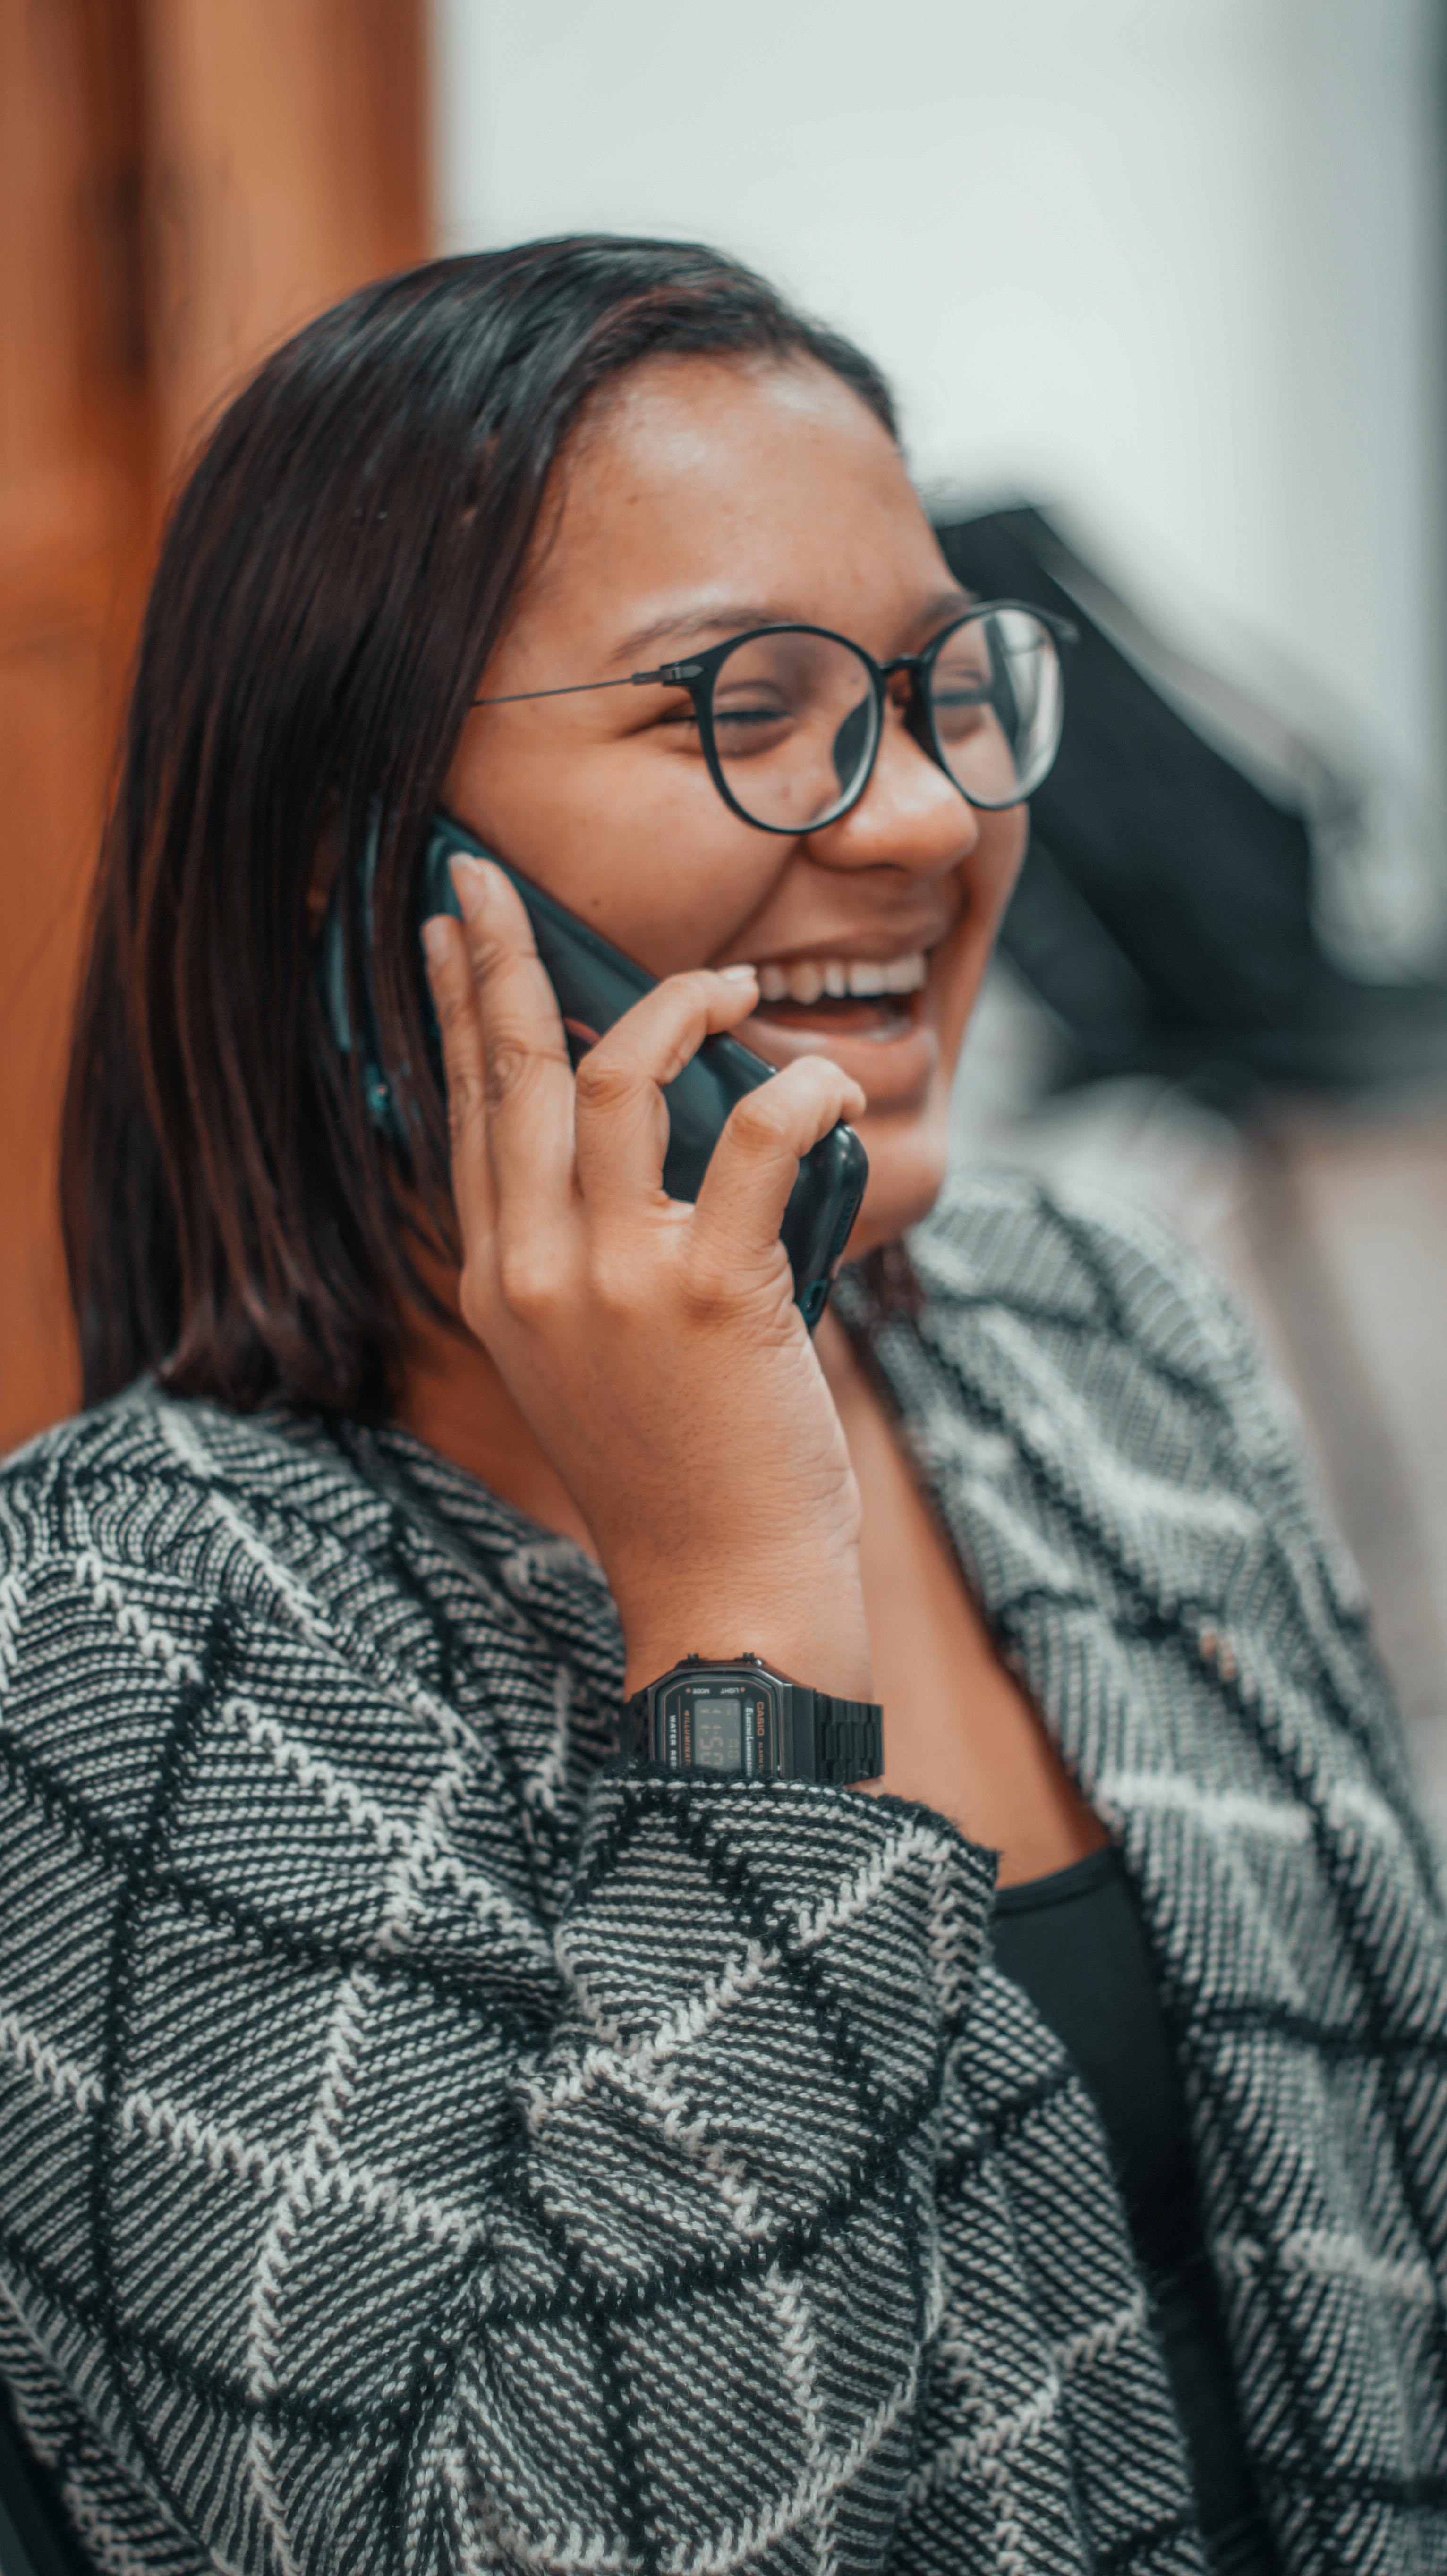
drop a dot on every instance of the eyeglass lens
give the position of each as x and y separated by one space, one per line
794 726
995 695
796 721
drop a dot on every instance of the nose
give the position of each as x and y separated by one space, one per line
911 816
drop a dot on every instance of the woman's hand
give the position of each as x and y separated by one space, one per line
654 1348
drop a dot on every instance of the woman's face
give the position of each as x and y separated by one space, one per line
705 496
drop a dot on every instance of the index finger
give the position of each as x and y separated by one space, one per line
516 1116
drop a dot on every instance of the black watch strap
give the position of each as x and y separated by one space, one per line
848 1736
635 1739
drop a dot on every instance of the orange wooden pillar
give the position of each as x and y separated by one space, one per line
181 183
75 439
287 165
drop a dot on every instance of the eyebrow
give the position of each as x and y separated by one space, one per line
735 617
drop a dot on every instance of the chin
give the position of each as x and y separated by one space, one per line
907 1171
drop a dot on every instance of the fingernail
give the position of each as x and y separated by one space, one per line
739 974
470 881
434 938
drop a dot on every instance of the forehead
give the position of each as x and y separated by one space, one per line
738 478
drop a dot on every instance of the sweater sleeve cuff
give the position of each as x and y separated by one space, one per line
784 1958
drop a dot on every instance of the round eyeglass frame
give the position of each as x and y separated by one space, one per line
698 672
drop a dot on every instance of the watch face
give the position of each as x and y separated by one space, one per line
721 1723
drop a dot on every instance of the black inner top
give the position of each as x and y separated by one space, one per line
1074 1943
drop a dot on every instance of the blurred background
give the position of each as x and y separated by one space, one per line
1161 284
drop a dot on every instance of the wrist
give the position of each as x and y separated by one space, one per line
803 1614
813 1648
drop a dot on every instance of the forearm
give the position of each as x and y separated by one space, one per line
712 2278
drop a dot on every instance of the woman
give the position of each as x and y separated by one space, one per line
430 2142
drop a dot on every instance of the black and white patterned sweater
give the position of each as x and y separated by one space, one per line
421 2148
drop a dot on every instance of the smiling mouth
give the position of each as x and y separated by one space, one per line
875 998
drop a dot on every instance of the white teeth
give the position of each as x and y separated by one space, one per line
895 975
865 977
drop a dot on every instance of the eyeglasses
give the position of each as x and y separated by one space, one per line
790 718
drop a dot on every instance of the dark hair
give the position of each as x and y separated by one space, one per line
336 572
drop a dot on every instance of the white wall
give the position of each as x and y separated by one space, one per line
1171 263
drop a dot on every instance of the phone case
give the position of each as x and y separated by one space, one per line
595 984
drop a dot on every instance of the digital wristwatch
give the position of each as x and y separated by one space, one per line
741 1721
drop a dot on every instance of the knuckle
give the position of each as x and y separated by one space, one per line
808 1075
687 985
507 1067
761 1119
528 1278
454 1008
707 1303
464 1105
613 1279
604 1083
711 1290
806 1090
487 954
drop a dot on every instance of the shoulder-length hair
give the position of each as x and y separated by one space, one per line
335 575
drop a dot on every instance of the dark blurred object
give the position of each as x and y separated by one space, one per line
1165 911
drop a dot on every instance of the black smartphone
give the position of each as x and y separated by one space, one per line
595 984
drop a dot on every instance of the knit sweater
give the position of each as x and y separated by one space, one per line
423 2147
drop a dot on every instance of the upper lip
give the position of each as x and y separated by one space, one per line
868 947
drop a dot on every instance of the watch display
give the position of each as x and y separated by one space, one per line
718 1730
719 1723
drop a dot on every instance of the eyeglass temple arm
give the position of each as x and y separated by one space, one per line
672 674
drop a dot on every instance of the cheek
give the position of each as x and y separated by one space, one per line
636 845
998 858
990 875
908 1164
